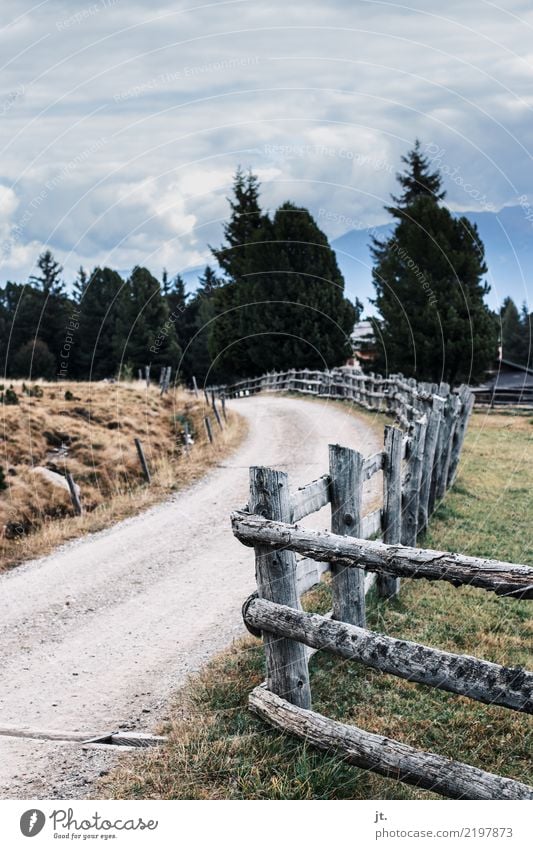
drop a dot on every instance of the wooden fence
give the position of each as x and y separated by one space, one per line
397 395
290 635
419 462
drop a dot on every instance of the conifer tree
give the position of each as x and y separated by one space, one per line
282 303
99 303
143 332
428 277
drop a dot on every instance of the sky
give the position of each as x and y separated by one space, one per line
122 122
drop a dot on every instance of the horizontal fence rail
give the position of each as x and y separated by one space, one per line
403 397
510 579
478 679
385 756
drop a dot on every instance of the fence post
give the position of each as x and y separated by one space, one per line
217 415
147 375
142 458
453 407
432 434
348 583
467 398
208 428
195 386
286 660
411 495
74 497
439 405
388 585
223 401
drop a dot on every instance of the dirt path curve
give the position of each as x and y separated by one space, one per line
97 635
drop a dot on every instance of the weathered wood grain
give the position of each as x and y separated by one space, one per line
458 569
387 757
346 482
468 676
310 498
308 573
432 435
372 524
389 585
373 464
467 398
411 488
286 660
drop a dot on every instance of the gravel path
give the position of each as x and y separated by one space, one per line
96 636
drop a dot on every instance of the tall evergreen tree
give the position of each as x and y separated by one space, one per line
241 230
99 303
199 314
433 324
418 180
143 332
49 277
283 305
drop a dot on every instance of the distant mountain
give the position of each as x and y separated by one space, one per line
508 239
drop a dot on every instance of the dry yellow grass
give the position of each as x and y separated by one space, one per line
97 427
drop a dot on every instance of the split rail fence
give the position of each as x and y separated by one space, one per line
362 550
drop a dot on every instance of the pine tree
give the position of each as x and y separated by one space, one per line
433 323
99 302
416 181
199 315
240 232
283 306
144 334
49 279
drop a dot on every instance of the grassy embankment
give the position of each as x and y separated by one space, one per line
96 424
218 749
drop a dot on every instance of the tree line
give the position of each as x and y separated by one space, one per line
276 300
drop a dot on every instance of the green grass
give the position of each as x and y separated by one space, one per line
217 749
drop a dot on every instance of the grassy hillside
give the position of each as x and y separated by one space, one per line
88 429
218 749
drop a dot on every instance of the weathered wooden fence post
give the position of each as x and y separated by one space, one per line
195 386
411 493
142 458
74 497
432 435
388 585
453 408
286 660
217 415
208 428
467 399
348 584
223 401
439 403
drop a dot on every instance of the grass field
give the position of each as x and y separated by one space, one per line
218 750
89 430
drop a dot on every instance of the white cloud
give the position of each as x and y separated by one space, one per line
150 109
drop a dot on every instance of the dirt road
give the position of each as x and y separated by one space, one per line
96 636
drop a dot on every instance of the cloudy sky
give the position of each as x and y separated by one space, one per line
122 121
